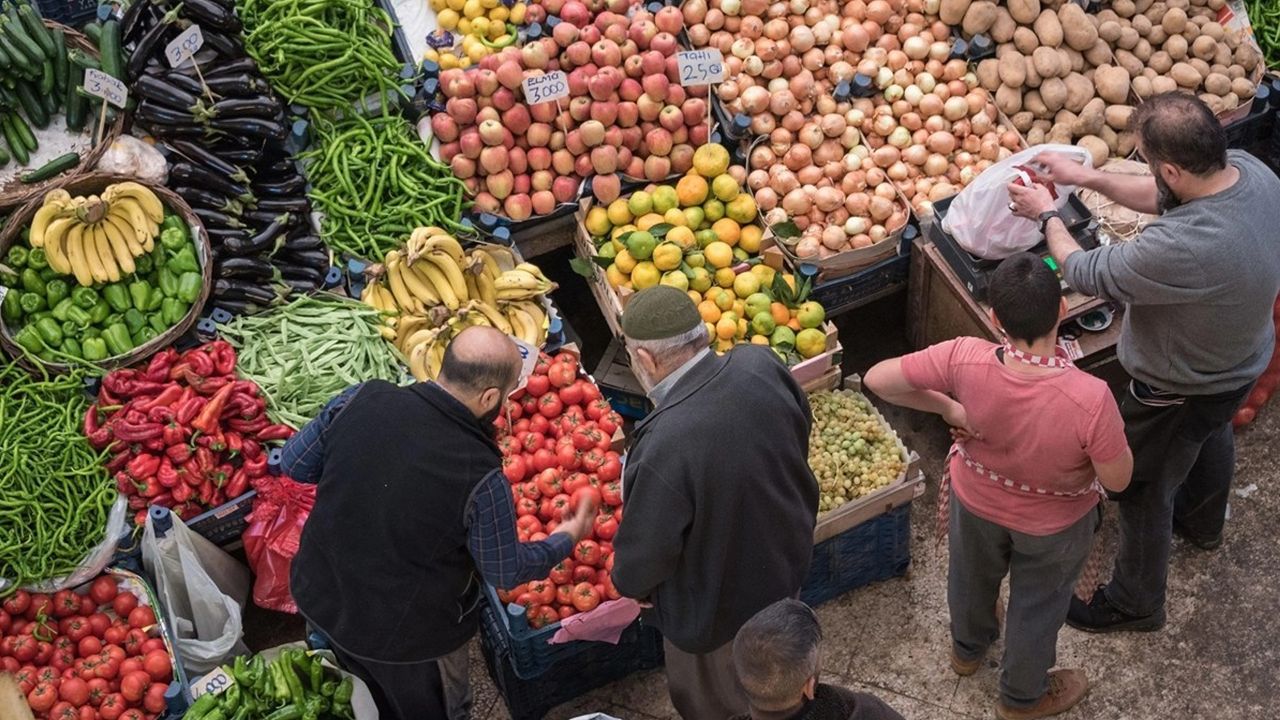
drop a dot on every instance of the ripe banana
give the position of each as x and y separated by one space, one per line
420 285
116 235
440 283
492 314
129 214
142 194
485 289
103 246
451 271
55 243
523 325
44 217
395 278
488 265
76 255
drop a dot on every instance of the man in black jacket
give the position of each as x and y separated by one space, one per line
411 503
720 500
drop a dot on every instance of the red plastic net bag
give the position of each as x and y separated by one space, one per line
271 540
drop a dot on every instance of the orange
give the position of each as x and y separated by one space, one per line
780 314
726 327
794 324
691 190
709 311
727 231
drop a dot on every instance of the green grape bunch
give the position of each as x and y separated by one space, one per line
851 451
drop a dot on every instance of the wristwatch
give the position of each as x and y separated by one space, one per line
1044 218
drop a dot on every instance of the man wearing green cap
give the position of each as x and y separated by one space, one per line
719 496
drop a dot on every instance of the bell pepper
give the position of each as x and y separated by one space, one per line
207 421
224 361
189 284
139 292
94 349
154 298
255 467
238 484
187 411
85 297
60 310
36 259
275 432
184 261
144 335
55 291
143 264
31 282
155 321
178 453
49 273
11 307
134 320
117 297
200 362
117 337
70 346
77 315
172 310
50 331
90 332
99 312
173 222
69 328
169 282
17 257
29 338
32 302
159 258
142 466
167 474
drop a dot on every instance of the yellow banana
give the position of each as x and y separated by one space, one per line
44 217
57 195
91 255
488 264
150 203
441 284
418 362
435 359
451 271
535 311
493 315
485 289
130 214
420 285
517 280
76 255
533 270
523 325
55 245
116 239
449 246
470 279
404 299
105 256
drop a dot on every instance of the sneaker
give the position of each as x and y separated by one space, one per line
964 668
1204 542
1066 688
1100 616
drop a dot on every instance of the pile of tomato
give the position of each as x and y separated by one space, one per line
85 656
555 436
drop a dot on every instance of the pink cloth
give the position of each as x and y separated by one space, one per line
604 624
1044 430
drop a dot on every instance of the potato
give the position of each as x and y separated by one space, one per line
1185 75
1142 87
1231 39
1112 83
1243 87
979 18
1013 70
1149 74
1163 84
1047 62
1008 99
1022 121
1109 31
1222 55
1054 93
1174 20
1130 62
1024 11
1128 39
1048 29
1126 143
1099 54
1246 57
1024 38
1107 15
1176 46
1065 117
1201 67
1183 5
1142 25
1230 101
1079 91
952 12
1097 148
1216 5
1143 5
1204 47
988 73
1217 84
1110 137
1124 8
1003 28
1214 102
1036 136
1059 135
1117 116
1212 30
1078 32
1091 119
1160 62
1143 50
1157 36
1033 78
1191 31
1075 61
1035 105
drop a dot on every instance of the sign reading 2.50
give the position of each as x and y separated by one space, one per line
700 67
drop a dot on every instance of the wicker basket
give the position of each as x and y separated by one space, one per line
93 184
16 192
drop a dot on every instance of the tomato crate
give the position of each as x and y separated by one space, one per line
225 524
587 665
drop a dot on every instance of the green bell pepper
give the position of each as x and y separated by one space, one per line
94 348
173 238
11 306
49 273
156 322
184 261
78 315
17 257
50 331
32 282
143 335
85 297
143 264
60 310
154 298
159 258
32 302
90 332
55 291
118 340
134 320
168 283
37 260
71 347
99 312
139 291
189 285
36 317
9 278
69 328
30 340
117 297
172 310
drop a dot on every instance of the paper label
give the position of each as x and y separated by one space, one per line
215 682
102 85
545 88
700 67
528 359
184 46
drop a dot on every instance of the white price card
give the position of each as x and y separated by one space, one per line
184 46
215 682
545 88
102 85
700 67
528 359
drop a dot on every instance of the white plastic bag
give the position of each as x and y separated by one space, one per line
202 588
97 558
979 218
127 155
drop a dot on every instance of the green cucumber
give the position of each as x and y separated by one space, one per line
93 31
6 60
46 77
11 136
32 106
4 157
75 104
60 62
83 61
109 50
52 101
22 41
36 29
58 165
24 132
21 63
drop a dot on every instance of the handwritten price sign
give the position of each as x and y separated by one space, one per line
215 682
700 67
102 85
184 46
528 358
545 88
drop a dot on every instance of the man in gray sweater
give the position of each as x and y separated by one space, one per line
1198 286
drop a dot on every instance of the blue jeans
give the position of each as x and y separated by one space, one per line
1184 459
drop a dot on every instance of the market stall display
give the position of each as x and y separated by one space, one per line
1265 17
294 684
852 451
483 30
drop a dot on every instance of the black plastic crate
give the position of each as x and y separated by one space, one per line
876 550
74 13
853 291
225 524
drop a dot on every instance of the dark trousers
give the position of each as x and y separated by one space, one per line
431 690
704 687
1042 575
1183 461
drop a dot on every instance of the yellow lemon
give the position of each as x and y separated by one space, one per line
750 238
722 299
448 19
640 203
741 208
640 244
456 5
517 14
726 327
645 275
691 190
644 222
667 256
664 198
725 188
615 276
694 216
759 339
695 260
480 26
675 279
810 314
499 15
713 209
694 296
810 342
597 222
766 274
681 236
675 216
701 280
711 160
725 277
727 231
618 212
738 308
708 310
719 255
746 285
624 262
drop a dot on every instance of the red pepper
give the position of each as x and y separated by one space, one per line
133 415
158 369
181 492
207 386
178 453
187 510
155 444
200 362
224 356
164 399
221 474
243 407
124 484
248 426
99 439
275 432
106 399
140 517
92 423
136 501
167 474
119 383
160 414
248 387
205 460
173 434
146 388
256 467
205 493
188 410
118 461
132 432
238 484
235 442
251 449
147 487
143 465
191 472
207 421
163 499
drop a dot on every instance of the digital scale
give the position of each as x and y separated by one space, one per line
975 272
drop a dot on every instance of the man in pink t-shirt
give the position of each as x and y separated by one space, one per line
1035 438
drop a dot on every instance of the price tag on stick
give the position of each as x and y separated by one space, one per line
548 87
215 682
110 90
701 67
528 359
185 46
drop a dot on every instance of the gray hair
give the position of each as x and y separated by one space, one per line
776 653
671 352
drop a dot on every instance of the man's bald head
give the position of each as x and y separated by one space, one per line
480 359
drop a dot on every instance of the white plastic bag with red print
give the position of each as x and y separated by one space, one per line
980 219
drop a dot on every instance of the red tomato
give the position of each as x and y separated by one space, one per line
550 482
42 697
583 573
566 358
48 675
610 592
117 653
525 506
562 375
575 482
549 405
508 445
611 469
114 635
543 591
610 423
564 595
74 691
536 618
592 460
605 526
87 606
598 408
585 494
89 645
129 665
133 714
532 441
25 677
585 597
124 603
530 490
142 617
9 665
98 624
44 650
24 648
562 572
611 492
6 622
528 524
543 458
548 615
543 363
134 685
538 537
153 701
529 406
566 611
99 689
133 642
513 468
567 457
587 552
76 628
40 605
64 711
43 630
571 395
560 507
17 603
538 385
108 669
581 439
65 604
86 712
539 424
590 393
112 707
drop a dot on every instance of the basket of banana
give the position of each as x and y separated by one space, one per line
104 270
434 288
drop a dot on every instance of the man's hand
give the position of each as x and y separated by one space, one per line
1063 169
579 524
958 419
1029 202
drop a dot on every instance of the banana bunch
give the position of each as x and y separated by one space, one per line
433 289
97 237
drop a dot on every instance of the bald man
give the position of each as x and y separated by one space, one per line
411 506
